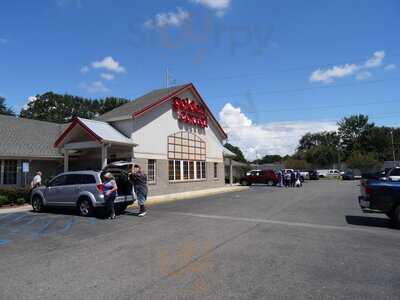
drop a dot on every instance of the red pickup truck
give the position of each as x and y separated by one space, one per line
260 176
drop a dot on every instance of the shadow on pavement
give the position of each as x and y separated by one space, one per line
369 221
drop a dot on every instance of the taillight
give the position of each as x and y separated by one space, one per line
100 188
368 190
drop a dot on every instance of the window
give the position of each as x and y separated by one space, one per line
186 170
171 170
179 170
82 179
185 145
59 181
395 172
10 172
151 170
215 170
203 170
198 170
191 170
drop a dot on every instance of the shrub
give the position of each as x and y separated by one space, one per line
20 201
13 195
3 200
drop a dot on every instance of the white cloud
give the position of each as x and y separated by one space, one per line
3 41
30 100
269 138
107 76
363 75
333 73
84 69
165 19
376 60
390 67
96 87
329 75
108 63
220 6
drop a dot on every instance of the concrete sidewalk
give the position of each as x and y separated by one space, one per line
154 200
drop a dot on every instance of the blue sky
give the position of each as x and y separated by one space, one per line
270 70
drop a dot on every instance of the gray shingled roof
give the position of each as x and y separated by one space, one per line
28 138
127 109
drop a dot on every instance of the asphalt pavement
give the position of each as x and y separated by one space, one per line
264 243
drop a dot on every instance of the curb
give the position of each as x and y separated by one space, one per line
15 209
154 200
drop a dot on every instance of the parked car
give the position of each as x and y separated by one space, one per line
305 175
260 176
392 174
351 175
84 190
313 175
329 173
381 196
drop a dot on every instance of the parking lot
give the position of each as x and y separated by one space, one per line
264 243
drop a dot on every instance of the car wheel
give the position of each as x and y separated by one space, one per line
270 183
85 207
37 204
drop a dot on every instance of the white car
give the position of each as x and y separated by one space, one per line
333 173
393 174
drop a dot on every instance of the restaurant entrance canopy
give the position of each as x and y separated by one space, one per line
88 134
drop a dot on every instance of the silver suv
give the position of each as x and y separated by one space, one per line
84 190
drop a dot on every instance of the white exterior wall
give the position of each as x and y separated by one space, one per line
151 131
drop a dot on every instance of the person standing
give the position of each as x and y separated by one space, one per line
110 193
37 180
139 181
292 179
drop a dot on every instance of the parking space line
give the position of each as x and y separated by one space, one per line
291 224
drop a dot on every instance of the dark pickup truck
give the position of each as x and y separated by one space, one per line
381 195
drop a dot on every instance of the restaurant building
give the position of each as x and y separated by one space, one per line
170 132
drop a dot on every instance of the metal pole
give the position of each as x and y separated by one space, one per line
394 154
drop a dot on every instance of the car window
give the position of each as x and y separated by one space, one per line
59 181
395 172
86 179
72 179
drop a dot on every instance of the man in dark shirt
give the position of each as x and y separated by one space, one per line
139 181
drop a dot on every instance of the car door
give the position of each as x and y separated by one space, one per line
71 189
53 193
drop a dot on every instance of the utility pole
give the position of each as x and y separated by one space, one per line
167 78
394 154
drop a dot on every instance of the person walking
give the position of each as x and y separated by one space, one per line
110 193
139 181
37 180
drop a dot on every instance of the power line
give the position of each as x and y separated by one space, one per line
246 94
322 107
371 118
291 69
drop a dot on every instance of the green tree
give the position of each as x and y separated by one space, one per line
297 164
351 130
239 154
319 149
269 159
58 108
364 162
4 109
